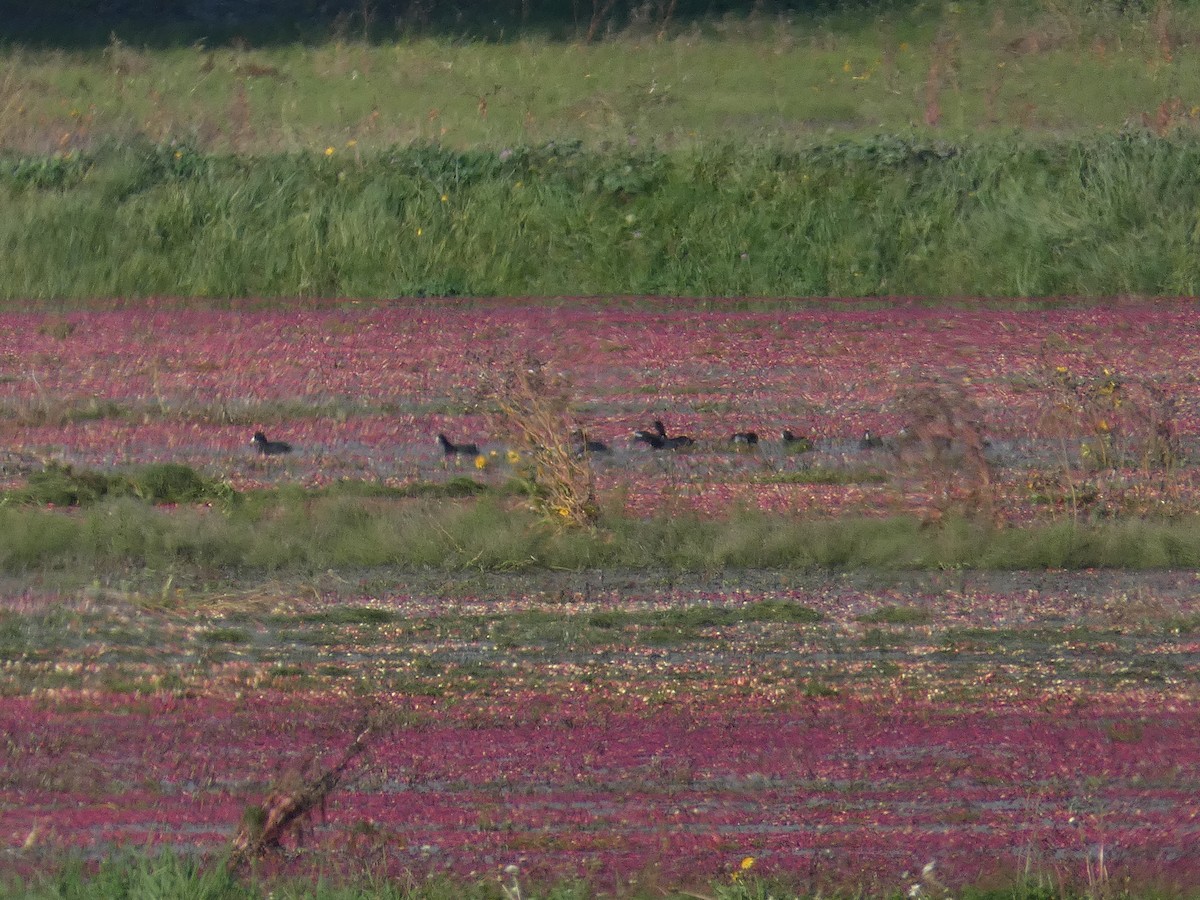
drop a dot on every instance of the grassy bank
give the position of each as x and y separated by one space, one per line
1012 217
294 532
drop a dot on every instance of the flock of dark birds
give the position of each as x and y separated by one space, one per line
656 437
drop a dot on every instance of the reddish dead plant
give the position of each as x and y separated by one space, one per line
290 804
941 449
532 406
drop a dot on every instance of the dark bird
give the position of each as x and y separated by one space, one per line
870 441
796 443
588 446
676 442
673 442
660 440
269 448
452 449
745 438
653 438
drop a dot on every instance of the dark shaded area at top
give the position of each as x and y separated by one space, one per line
92 23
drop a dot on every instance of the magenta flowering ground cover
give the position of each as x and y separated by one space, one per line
1002 723
362 390
651 728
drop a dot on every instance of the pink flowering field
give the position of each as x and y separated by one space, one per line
363 389
640 730
615 729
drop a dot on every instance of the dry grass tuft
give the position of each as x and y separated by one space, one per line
532 406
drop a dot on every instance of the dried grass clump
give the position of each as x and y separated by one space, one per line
531 405
942 448
1108 427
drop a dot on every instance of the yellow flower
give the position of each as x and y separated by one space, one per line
329 151
352 143
513 457
481 462
747 863
420 231
1061 370
445 198
1102 425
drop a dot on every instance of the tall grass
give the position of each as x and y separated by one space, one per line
296 535
1013 217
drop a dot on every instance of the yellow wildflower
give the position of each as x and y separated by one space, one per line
329 151
747 863
513 457
481 462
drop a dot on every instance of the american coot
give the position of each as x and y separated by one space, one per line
870 441
653 438
796 443
677 441
269 448
452 449
583 444
660 440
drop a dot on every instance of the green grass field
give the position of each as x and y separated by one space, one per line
757 80
968 150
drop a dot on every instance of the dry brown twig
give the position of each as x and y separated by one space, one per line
292 801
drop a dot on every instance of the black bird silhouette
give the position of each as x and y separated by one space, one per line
677 441
673 442
269 448
452 449
585 445
870 441
653 438
795 442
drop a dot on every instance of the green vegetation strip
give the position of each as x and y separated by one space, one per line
886 215
360 525
175 875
